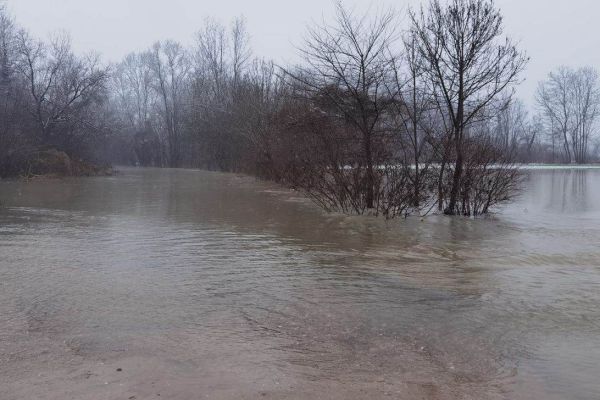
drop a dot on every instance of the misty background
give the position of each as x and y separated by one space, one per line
553 33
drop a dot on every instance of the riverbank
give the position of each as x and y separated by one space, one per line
53 163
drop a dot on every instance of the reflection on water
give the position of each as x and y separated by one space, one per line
208 279
564 191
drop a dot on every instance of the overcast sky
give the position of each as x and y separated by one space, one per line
553 32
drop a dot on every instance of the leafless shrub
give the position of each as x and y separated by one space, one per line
490 178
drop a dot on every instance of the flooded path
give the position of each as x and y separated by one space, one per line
188 285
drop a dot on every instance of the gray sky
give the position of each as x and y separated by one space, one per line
553 32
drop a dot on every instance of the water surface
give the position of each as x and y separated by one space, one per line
208 285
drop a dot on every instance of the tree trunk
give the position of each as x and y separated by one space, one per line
458 170
370 195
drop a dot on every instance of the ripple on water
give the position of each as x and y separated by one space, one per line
189 270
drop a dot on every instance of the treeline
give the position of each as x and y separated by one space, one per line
50 99
374 119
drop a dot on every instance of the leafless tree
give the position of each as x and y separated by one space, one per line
570 102
63 88
211 58
8 36
510 124
134 100
411 117
170 68
553 99
14 120
469 64
132 85
347 66
259 101
240 52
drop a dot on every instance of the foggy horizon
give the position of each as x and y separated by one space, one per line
551 36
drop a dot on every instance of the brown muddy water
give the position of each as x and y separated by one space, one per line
190 285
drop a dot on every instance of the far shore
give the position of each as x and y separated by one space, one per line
557 166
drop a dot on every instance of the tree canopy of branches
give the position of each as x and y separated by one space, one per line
570 104
347 68
52 98
469 66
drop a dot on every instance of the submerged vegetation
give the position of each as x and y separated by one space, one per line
375 118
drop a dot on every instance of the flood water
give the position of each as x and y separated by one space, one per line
189 285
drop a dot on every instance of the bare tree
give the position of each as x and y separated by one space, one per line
570 102
135 100
586 99
240 52
211 58
8 36
14 119
170 66
553 97
347 67
220 88
510 124
62 86
469 64
411 117
132 84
